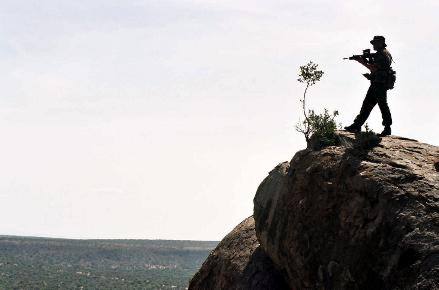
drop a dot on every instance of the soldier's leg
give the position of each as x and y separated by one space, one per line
381 94
369 102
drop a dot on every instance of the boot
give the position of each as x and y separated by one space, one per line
354 128
386 132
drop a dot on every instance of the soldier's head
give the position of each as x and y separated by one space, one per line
378 42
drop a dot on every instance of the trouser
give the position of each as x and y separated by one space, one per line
376 94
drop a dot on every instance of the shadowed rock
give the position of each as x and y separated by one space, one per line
238 262
353 216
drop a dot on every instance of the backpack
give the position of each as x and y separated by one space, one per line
391 78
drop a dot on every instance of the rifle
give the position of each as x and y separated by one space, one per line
367 57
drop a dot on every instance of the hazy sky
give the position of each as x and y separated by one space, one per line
159 119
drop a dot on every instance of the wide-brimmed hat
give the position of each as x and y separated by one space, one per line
378 38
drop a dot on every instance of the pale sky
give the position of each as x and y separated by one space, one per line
159 119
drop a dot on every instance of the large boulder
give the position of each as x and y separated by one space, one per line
354 216
238 262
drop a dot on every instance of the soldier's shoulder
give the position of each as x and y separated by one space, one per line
384 55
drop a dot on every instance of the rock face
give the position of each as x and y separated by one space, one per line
353 217
360 215
238 262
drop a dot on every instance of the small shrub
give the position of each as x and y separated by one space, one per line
318 129
368 139
323 127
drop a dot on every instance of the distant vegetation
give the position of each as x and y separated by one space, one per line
40 263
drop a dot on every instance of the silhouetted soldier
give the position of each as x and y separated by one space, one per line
377 92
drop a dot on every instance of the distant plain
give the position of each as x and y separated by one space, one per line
45 263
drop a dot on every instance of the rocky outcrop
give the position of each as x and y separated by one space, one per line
238 262
354 217
360 215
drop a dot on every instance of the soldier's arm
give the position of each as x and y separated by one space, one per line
371 67
381 61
